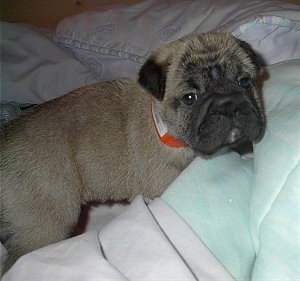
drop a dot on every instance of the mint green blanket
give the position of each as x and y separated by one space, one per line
247 211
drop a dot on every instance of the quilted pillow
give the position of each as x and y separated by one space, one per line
114 42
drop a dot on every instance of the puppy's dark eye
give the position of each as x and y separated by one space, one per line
189 99
245 82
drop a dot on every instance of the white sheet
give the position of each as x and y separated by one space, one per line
147 242
34 69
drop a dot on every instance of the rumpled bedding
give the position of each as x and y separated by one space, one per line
229 217
140 244
246 210
109 43
34 68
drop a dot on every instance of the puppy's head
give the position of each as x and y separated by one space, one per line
205 89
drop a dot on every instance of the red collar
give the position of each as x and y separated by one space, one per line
162 132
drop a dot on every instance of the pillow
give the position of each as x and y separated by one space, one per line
34 69
247 210
125 35
110 43
275 38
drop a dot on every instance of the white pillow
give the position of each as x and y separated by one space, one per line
125 35
112 43
275 38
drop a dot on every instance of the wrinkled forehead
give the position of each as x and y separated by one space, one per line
216 56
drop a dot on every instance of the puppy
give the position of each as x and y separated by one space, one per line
117 139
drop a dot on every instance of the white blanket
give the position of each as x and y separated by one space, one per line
147 242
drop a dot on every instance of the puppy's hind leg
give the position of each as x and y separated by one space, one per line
37 209
37 228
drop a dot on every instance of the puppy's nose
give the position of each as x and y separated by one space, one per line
232 105
225 105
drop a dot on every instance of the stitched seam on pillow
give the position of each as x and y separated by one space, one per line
99 49
268 20
263 217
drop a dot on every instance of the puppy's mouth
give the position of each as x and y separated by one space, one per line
227 121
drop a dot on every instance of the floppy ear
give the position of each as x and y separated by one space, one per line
256 58
152 77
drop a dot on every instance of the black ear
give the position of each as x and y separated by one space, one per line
256 58
152 77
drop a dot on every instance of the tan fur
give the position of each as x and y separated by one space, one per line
96 143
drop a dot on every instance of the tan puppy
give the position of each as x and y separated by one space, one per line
115 140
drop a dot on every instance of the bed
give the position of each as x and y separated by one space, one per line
233 217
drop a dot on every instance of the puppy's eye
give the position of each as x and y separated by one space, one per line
245 82
189 99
